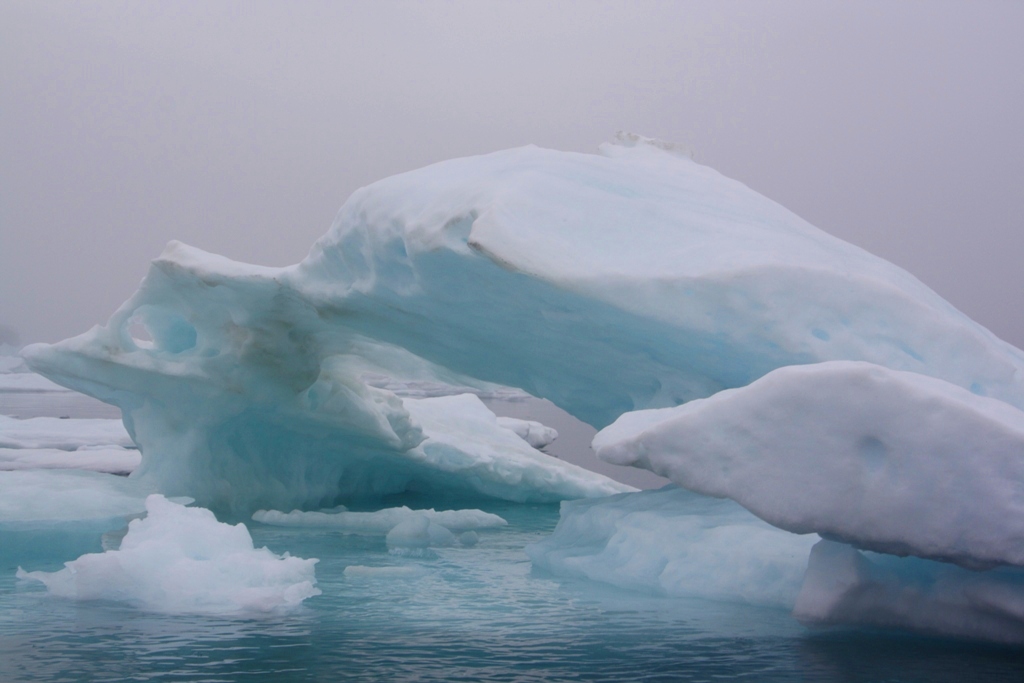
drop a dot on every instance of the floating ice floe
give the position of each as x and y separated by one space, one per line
885 460
62 434
182 560
49 443
676 543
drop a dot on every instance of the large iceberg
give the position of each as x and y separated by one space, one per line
729 345
607 283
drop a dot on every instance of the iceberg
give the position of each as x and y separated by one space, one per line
608 283
715 338
182 560
882 459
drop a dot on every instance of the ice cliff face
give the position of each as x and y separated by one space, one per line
631 280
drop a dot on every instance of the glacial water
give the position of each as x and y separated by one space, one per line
459 614
462 614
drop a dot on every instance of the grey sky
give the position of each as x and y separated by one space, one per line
241 127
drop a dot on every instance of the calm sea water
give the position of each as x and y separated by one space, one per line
472 614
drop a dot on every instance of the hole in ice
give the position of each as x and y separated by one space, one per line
159 329
139 333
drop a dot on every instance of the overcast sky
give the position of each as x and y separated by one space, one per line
241 127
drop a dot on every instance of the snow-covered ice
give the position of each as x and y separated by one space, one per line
677 543
182 560
885 460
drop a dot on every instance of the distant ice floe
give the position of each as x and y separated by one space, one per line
402 527
48 497
182 560
380 522
99 445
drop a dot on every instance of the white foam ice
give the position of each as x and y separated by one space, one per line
182 560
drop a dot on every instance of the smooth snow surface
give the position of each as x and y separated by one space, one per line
885 460
844 586
677 543
607 283
182 560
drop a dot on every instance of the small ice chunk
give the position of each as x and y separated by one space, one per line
419 533
532 432
468 539
182 560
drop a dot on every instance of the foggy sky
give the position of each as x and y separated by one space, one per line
241 127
